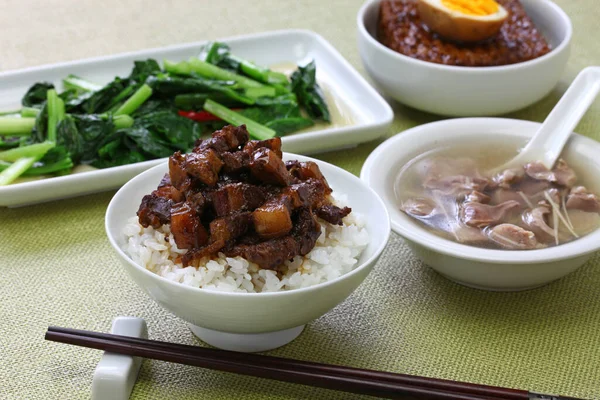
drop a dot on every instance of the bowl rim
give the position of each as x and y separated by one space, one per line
385 224
564 44
405 227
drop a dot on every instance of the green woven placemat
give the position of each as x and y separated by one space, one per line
56 267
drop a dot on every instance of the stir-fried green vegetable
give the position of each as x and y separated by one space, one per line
152 113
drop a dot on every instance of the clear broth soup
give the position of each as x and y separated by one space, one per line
521 209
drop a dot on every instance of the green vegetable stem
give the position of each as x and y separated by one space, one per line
80 85
36 150
255 129
14 126
135 101
56 113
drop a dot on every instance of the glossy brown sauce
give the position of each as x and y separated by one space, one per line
401 29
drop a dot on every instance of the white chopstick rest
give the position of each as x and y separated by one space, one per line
116 374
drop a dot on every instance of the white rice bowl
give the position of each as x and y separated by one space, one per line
336 253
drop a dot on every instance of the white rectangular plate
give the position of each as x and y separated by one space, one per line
371 115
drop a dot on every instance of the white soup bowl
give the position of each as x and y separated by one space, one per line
469 265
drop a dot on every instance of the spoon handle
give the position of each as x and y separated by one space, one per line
548 142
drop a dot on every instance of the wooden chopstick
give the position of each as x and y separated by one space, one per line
329 381
445 385
375 383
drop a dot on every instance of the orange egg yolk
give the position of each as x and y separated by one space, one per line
472 7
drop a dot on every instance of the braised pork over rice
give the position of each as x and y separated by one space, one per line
237 196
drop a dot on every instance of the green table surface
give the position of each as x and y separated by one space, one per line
56 267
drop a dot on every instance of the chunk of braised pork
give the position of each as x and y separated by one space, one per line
165 181
273 144
273 218
154 211
580 198
234 197
513 237
177 173
186 227
196 256
306 170
204 166
165 189
227 139
269 254
267 167
273 253
310 193
234 163
229 228
306 231
333 214
480 215
197 201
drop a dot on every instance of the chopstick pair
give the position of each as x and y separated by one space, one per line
353 380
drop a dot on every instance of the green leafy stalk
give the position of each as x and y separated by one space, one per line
15 170
56 113
255 129
115 103
11 126
44 169
138 98
29 112
80 85
174 85
122 121
261 74
32 150
207 70
256 92
180 68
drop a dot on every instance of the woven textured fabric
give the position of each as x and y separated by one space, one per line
57 268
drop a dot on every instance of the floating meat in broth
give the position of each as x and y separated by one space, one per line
518 209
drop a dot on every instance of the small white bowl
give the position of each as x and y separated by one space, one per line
481 268
251 321
467 91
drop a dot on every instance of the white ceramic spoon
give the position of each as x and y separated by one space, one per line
548 142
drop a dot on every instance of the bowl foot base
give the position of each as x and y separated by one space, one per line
246 342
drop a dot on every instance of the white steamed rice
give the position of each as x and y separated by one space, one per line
336 253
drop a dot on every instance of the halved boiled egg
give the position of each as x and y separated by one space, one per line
463 20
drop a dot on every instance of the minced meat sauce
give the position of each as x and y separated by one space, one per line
401 29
